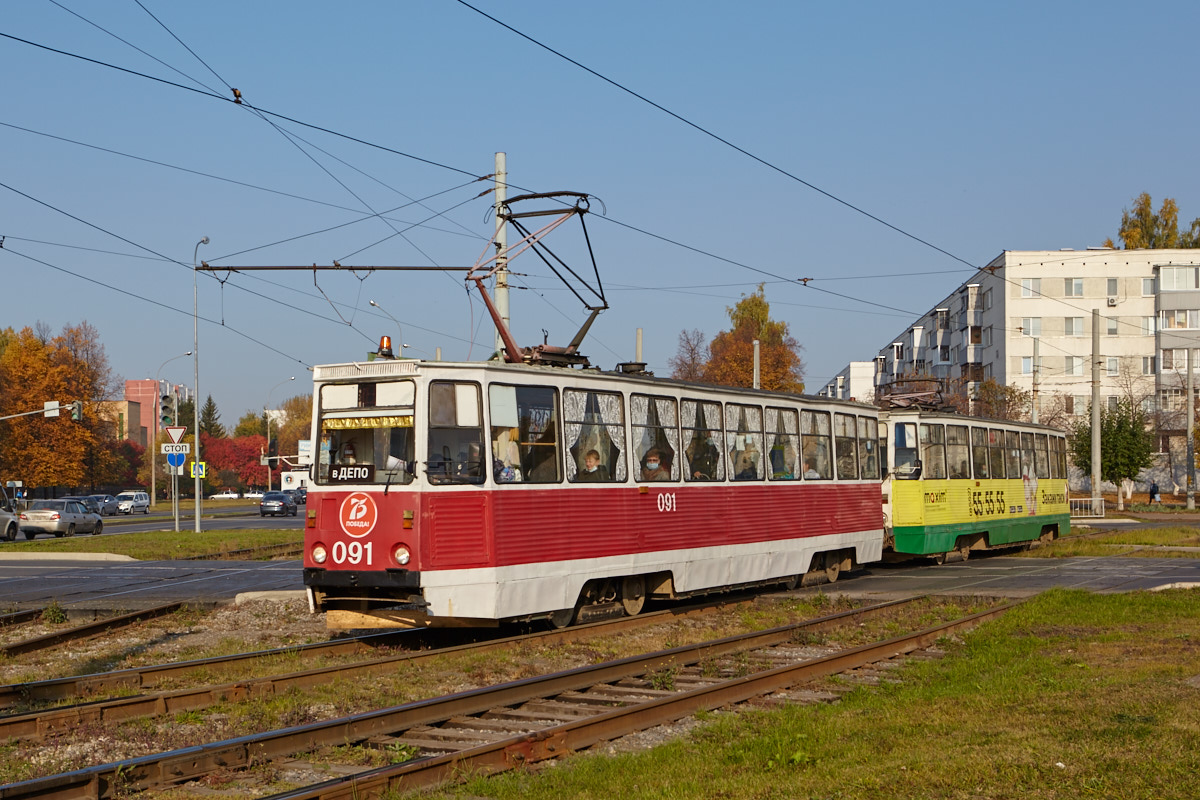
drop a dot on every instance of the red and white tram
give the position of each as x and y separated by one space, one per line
476 493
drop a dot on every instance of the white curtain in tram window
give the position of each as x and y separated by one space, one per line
586 425
784 442
745 442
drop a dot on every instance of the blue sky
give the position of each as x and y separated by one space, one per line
974 127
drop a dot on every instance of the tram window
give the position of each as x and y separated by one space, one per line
979 453
743 428
783 436
845 442
1058 455
455 434
933 452
524 434
906 464
378 443
655 425
868 448
958 452
1027 465
595 426
1012 454
702 437
996 452
1041 451
815 445
883 449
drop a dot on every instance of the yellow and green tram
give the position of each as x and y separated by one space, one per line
956 484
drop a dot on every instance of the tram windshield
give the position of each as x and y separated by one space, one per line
366 433
907 464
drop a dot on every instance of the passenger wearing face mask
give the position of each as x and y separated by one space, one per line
592 469
654 469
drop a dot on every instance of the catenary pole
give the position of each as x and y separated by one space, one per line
1096 410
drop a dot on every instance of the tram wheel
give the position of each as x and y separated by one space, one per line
939 558
833 567
562 618
964 551
633 594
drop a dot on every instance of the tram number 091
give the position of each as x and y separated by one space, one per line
666 501
351 553
988 503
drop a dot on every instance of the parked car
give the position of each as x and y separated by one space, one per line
275 503
87 502
299 495
9 521
224 494
131 501
253 494
108 504
59 517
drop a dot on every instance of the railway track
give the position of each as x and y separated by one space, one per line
87 631
515 723
35 726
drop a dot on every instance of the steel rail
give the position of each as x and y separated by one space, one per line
106 781
18 617
559 740
87 631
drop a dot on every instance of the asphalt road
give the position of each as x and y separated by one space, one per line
86 582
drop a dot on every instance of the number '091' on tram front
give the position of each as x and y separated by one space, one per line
475 493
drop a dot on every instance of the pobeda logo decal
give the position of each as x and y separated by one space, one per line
358 514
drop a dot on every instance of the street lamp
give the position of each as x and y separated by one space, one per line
400 338
267 414
196 355
154 439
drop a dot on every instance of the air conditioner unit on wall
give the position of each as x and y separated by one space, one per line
1112 302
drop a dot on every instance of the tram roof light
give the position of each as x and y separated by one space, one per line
385 347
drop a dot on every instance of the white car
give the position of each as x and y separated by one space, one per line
130 502
255 494
228 494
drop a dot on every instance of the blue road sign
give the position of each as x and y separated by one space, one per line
176 459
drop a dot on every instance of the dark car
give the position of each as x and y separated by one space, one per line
88 502
108 504
298 495
276 503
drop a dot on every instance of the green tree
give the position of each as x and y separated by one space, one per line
187 416
252 423
1142 228
1127 446
210 419
729 360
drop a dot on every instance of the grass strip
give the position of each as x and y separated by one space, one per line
161 545
1071 695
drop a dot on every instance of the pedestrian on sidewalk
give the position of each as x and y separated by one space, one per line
1154 495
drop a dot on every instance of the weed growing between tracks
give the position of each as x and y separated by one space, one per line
1070 695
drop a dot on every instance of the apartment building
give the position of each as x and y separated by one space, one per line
1026 319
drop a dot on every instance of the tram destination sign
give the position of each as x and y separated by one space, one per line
360 473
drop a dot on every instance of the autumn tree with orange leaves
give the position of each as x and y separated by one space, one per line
36 367
728 359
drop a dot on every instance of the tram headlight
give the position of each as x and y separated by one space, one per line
319 554
402 554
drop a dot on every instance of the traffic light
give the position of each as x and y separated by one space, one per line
169 409
77 410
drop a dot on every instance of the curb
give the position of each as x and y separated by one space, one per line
64 557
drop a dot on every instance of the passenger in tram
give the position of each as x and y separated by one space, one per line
506 464
702 456
592 469
810 470
746 464
654 468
